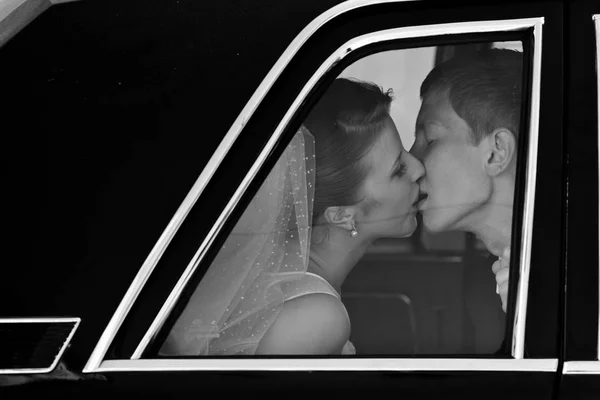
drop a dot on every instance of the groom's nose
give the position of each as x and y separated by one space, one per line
416 151
417 168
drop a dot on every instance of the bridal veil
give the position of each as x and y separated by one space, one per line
240 295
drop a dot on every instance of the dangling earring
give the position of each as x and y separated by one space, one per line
353 232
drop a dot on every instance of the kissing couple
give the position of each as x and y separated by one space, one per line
346 180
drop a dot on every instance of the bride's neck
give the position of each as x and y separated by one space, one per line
334 253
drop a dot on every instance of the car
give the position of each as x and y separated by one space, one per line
135 134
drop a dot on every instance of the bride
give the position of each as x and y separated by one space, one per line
344 181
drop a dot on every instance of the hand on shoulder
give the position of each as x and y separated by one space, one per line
314 324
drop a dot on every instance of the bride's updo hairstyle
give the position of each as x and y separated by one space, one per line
345 123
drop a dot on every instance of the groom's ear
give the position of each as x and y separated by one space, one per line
501 146
342 217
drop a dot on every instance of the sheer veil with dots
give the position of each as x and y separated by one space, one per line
240 295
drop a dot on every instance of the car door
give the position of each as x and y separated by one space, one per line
580 369
436 360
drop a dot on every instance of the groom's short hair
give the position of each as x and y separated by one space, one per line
483 88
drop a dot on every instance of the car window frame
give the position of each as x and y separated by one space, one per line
17 14
518 362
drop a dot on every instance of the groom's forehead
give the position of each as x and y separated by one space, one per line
433 115
429 124
436 112
433 104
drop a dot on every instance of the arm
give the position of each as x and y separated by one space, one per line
314 324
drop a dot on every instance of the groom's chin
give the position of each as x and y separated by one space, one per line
407 234
432 224
407 229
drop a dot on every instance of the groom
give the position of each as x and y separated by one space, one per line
466 137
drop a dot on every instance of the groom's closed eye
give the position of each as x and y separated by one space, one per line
429 141
419 128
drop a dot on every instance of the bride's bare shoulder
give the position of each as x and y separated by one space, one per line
312 324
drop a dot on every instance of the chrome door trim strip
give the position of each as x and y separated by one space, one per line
518 344
332 364
581 368
596 20
64 346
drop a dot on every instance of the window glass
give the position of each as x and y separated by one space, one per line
383 227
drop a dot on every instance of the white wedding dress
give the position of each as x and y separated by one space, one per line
262 264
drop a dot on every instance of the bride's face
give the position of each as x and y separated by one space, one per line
390 188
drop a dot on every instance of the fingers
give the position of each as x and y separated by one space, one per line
503 289
502 275
503 292
501 269
497 266
506 253
502 285
505 262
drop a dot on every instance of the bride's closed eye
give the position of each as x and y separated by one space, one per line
399 169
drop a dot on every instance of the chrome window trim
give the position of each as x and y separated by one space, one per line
399 33
334 364
581 368
22 12
595 18
77 321
518 342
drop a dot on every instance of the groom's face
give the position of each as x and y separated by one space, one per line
455 181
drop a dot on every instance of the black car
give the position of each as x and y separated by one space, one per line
135 133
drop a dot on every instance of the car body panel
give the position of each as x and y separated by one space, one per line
125 104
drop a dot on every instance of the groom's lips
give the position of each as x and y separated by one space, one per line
420 200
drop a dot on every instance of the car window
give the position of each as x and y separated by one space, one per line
403 226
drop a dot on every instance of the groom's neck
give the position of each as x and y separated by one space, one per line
493 224
495 237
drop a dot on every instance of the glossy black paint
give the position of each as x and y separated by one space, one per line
579 387
581 108
582 140
114 109
405 385
105 165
